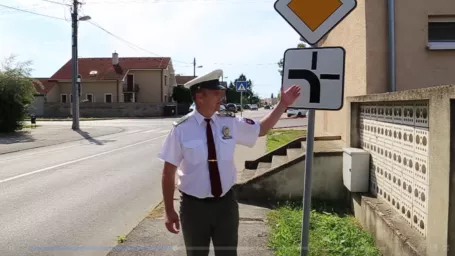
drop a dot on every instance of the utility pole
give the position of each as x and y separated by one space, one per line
194 67
75 90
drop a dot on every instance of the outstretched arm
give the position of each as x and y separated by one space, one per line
287 98
269 121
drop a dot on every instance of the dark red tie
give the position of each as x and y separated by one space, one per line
215 180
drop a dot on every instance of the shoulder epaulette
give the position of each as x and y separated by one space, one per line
181 120
226 114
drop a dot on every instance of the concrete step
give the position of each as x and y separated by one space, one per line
246 175
279 160
260 171
264 165
303 145
294 153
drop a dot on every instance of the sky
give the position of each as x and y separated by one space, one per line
237 36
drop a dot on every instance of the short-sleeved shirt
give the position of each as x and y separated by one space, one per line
186 147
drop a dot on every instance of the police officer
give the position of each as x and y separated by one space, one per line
202 144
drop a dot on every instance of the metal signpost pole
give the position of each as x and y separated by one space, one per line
241 104
241 86
307 185
321 68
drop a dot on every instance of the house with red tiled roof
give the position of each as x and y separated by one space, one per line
45 88
181 80
115 79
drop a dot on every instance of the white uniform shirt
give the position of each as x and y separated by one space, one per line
186 147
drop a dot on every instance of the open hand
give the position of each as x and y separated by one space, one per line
290 95
172 222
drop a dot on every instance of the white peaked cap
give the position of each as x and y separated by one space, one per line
208 81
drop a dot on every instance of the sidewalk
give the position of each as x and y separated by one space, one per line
151 237
43 136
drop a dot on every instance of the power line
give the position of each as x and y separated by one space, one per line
174 60
181 1
54 2
130 44
31 12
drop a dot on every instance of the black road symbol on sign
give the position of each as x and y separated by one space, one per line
312 78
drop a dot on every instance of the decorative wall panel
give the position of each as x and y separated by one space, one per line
397 136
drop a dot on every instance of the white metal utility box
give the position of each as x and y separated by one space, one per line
356 168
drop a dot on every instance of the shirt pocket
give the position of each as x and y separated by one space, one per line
227 148
194 151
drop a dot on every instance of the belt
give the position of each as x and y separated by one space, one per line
206 199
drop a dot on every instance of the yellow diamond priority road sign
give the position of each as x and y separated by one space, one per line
313 19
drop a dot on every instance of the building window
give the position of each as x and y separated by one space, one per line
165 81
63 98
71 98
89 97
441 33
108 97
165 98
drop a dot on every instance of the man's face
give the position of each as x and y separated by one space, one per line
210 99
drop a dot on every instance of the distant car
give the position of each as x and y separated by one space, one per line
254 107
267 107
231 107
246 106
296 112
239 107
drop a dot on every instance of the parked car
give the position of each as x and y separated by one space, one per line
267 107
254 107
246 106
296 112
231 107
192 107
239 107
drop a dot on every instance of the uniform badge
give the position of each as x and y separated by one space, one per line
248 121
226 133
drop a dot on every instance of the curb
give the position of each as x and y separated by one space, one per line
295 117
157 211
285 127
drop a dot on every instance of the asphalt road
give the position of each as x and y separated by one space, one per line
77 197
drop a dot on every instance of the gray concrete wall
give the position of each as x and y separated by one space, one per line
287 183
114 109
439 231
393 237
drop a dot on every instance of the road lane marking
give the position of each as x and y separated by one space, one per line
82 142
77 160
36 153
151 131
132 131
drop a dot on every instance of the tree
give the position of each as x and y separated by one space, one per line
280 63
16 93
181 94
232 96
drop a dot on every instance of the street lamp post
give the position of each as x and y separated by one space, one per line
75 76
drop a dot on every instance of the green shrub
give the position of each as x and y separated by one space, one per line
16 94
